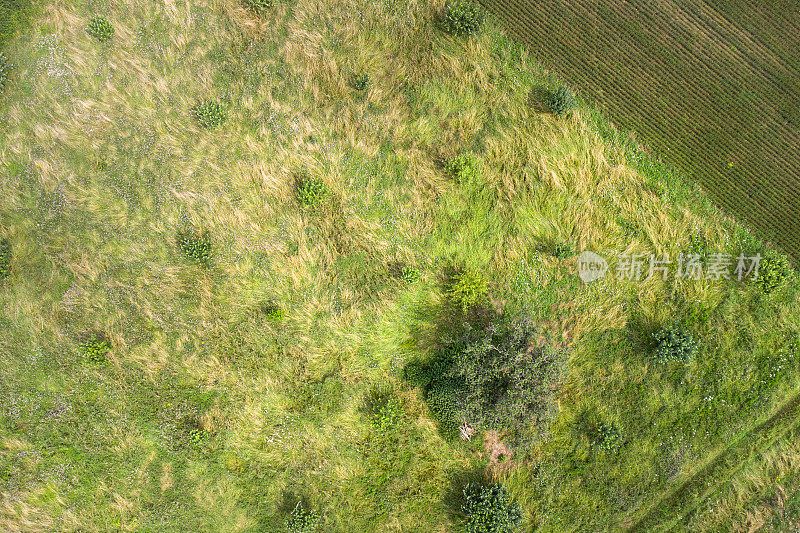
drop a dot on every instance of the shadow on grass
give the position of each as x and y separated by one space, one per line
538 99
453 499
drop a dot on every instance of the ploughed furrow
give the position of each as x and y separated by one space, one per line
710 107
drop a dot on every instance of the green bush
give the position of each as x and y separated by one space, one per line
198 437
4 68
489 509
274 313
210 114
100 28
5 258
302 520
311 191
96 349
562 100
491 377
467 289
361 83
609 437
674 345
462 17
564 250
409 274
463 167
195 247
260 6
773 272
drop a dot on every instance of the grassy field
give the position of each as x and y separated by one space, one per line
212 412
711 85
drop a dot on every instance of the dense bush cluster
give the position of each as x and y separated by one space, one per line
773 272
311 191
260 6
489 509
462 17
211 114
100 28
5 258
673 344
96 348
467 288
302 520
561 100
491 377
195 247
463 167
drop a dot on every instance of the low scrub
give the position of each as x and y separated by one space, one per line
5 258
489 509
562 100
196 247
463 167
462 17
211 114
100 28
773 272
672 344
4 68
467 288
609 437
361 82
311 191
95 348
302 520
260 6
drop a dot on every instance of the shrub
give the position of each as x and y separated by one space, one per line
489 509
409 274
260 6
311 191
562 100
198 436
100 28
210 114
195 247
464 167
773 272
467 289
609 437
462 17
302 520
274 313
361 83
491 378
5 258
564 250
4 68
95 349
674 345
